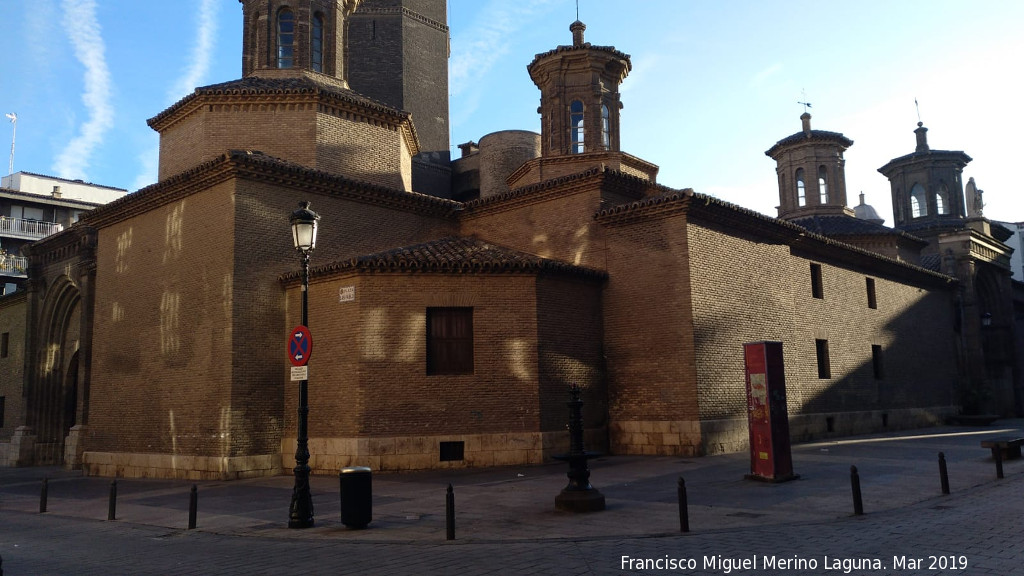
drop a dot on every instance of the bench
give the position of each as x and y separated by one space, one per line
1008 447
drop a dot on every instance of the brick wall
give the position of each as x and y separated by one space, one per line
12 366
746 289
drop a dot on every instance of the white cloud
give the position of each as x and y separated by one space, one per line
199 66
487 40
86 37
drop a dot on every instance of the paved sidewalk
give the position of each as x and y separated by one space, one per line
504 514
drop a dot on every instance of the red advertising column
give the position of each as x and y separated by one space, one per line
767 416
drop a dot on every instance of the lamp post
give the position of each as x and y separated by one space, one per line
304 224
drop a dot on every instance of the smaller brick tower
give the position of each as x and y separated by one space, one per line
579 95
927 190
812 173
579 109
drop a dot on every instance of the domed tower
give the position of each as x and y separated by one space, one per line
579 110
927 191
295 35
812 173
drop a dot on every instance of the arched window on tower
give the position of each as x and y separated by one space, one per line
316 44
918 201
822 185
576 127
606 123
942 199
285 38
801 189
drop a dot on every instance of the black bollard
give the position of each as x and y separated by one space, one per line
684 514
112 508
193 504
43 493
997 453
943 474
858 504
449 513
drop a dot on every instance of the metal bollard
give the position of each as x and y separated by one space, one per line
684 514
112 508
858 503
43 493
943 474
449 513
193 504
997 452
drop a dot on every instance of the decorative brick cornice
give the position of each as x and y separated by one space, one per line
403 11
260 167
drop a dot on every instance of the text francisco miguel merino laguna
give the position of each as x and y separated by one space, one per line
726 565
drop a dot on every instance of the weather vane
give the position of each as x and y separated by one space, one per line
805 103
918 108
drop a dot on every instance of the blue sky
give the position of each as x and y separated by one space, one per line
713 85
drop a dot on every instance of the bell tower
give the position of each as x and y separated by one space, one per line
579 96
812 172
927 190
295 35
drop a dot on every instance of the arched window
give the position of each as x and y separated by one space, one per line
801 189
822 185
576 127
942 199
317 44
606 141
285 38
918 201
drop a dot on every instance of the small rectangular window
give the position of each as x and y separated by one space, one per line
449 341
872 301
824 366
817 289
876 361
5 343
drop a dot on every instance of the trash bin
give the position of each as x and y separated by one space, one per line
356 496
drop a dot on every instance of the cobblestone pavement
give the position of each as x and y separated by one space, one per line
739 527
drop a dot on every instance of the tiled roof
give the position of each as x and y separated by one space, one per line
455 255
813 135
305 84
842 225
585 46
931 262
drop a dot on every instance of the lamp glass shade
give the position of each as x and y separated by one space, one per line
304 225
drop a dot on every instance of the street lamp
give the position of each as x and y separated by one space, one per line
304 224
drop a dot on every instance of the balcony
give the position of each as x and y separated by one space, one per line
27 229
13 266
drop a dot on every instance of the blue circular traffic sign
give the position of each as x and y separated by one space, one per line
300 346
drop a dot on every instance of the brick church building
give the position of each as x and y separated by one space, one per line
452 302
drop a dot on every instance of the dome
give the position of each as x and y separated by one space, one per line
867 212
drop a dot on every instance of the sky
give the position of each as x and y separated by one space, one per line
713 84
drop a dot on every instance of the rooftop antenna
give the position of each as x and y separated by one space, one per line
805 103
14 131
577 10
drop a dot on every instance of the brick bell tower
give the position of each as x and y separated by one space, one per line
812 172
295 35
579 112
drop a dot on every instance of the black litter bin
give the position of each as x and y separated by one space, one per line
356 496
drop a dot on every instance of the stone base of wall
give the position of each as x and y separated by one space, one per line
731 435
124 465
329 455
655 437
20 451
